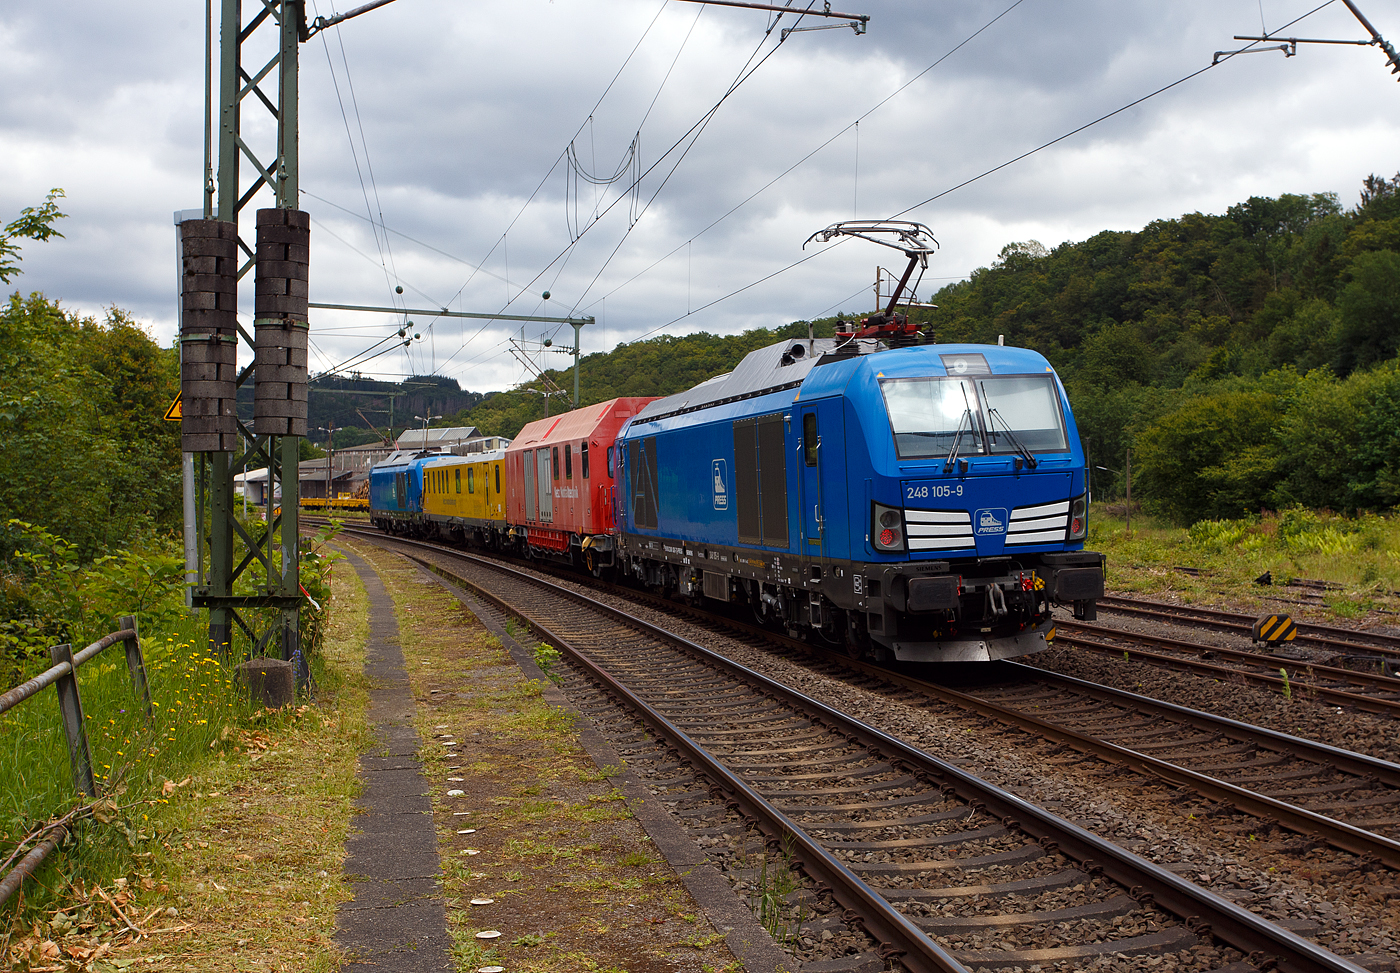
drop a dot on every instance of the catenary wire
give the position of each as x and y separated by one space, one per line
768 185
745 72
982 175
379 243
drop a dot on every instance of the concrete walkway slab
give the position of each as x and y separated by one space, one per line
397 922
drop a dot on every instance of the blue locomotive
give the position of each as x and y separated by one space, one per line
396 491
904 500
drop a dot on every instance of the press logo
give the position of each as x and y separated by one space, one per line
990 520
719 484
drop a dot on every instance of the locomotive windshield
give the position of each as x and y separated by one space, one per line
929 414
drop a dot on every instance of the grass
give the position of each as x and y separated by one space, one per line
1360 554
557 845
774 883
226 850
194 704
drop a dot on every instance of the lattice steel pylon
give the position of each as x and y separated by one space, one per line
231 549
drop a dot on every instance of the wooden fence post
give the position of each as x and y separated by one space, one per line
136 663
70 707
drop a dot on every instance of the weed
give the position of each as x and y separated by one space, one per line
468 952
1287 689
530 939
590 775
547 657
775 882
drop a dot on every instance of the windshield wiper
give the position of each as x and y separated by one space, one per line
994 417
958 433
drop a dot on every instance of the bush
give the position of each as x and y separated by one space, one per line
1214 457
1338 443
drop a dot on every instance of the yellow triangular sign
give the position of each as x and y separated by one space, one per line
175 412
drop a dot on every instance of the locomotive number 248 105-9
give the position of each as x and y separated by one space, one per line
924 491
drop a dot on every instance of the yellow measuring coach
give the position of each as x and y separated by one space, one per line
464 497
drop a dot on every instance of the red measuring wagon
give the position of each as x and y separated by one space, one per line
560 485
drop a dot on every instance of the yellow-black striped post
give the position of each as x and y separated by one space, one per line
1274 629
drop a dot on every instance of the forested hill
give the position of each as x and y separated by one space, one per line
658 366
1273 282
1248 359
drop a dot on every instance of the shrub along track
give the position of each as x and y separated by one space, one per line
998 881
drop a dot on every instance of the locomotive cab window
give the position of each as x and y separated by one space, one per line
459 480
930 415
583 458
938 417
810 440
1027 407
498 477
568 462
471 481
612 470
556 462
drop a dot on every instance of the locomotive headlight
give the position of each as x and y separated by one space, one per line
1078 520
888 528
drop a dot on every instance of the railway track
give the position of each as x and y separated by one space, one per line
1324 794
1347 643
1378 694
942 870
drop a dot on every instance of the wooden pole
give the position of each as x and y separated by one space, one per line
1128 512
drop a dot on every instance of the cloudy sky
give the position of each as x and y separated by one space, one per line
454 149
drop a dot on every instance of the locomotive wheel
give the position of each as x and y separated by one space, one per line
590 561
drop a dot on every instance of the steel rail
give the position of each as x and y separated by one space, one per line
915 950
1329 635
1370 704
31 862
1203 911
1349 761
1347 837
1379 683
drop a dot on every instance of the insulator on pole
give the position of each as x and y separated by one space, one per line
208 336
280 322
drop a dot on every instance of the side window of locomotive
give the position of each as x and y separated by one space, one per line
641 469
612 468
459 480
556 462
810 441
498 477
568 462
583 457
471 481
